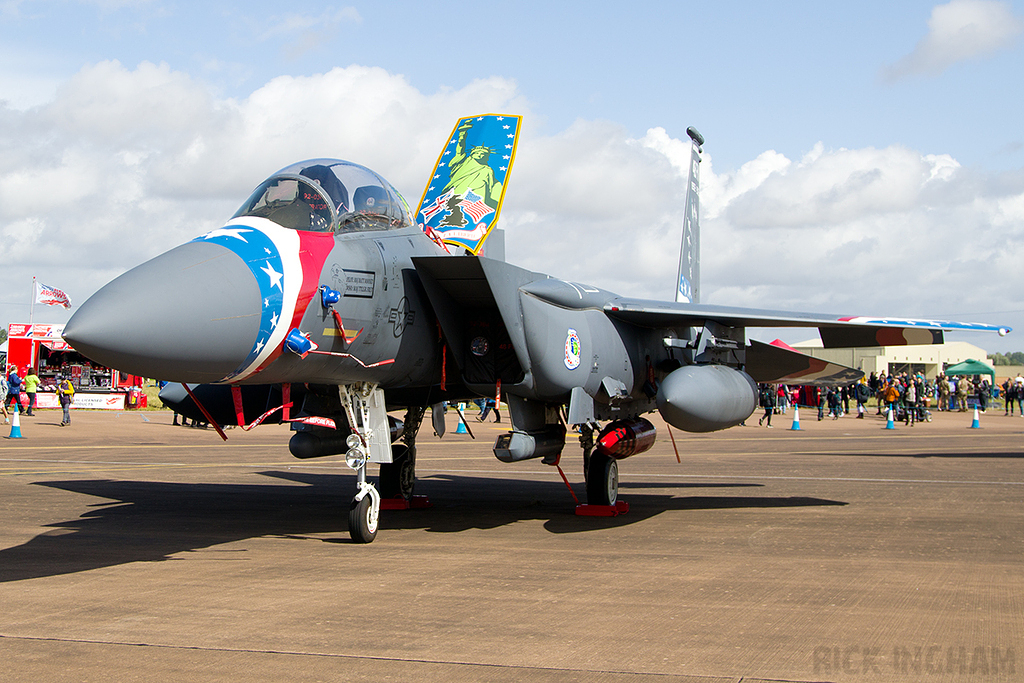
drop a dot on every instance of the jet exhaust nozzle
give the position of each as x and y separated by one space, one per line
706 398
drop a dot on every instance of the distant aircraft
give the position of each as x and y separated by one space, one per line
324 303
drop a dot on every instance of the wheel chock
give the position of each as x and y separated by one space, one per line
621 507
414 503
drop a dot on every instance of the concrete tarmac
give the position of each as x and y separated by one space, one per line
131 549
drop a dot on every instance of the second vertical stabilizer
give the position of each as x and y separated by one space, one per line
688 280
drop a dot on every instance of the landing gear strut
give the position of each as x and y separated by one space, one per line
368 442
398 478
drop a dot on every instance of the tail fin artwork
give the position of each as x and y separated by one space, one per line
688 281
461 203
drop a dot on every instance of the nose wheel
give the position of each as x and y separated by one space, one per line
364 512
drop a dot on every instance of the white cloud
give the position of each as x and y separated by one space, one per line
957 31
123 164
869 231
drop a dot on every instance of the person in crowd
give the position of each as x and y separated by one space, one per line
31 387
769 397
489 405
14 383
891 396
984 393
910 402
834 403
1009 395
926 396
781 399
883 384
66 395
942 385
962 392
3 398
862 393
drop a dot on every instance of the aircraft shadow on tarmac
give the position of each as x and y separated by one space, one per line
148 521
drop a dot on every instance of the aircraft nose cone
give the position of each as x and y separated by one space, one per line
189 315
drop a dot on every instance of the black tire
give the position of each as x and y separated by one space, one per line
602 480
398 478
361 527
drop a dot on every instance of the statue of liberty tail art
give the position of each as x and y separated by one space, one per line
463 199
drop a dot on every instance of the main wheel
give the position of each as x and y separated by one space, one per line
602 480
398 478
362 521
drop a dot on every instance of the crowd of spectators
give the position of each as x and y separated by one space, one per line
910 396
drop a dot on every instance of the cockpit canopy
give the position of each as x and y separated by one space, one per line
328 195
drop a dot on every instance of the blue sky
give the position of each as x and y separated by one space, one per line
845 142
751 76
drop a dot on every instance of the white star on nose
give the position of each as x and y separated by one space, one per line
275 277
228 232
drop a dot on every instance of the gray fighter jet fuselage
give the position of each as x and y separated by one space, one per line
323 299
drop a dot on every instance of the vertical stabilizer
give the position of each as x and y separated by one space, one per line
461 203
688 281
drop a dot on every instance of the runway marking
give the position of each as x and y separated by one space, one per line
426 470
748 477
596 673
147 446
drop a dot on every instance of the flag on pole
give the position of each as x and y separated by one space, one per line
51 296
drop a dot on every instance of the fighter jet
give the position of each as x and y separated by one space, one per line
326 302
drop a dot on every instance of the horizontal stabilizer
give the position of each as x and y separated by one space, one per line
777 365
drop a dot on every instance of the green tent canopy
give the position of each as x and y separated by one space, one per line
972 367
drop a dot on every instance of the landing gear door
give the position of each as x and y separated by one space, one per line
380 432
368 417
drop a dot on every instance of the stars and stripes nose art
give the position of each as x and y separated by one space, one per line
286 265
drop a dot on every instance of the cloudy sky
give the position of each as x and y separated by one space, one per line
861 158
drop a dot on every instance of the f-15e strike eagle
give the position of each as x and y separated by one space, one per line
324 301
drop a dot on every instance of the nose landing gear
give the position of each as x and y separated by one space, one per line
370 441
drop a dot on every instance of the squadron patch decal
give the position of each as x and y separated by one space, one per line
572 349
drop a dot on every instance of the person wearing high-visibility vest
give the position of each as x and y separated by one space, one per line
66 394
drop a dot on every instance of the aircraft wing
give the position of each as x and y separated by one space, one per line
836 331
775 365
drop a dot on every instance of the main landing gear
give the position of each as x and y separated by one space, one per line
398 478
601 473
